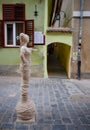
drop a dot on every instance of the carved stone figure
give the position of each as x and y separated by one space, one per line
25 109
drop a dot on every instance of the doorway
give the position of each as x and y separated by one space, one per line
58 56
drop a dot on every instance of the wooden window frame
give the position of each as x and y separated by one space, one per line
1 33
29 30
28 26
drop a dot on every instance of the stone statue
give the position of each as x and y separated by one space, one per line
25 109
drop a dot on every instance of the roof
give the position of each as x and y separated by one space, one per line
59 29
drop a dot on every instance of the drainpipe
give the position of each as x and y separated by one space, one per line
80 38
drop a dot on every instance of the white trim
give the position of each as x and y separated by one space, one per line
77 13
14 34
5 34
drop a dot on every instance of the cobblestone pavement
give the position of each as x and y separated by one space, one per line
61 104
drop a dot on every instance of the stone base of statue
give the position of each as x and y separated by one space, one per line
26 112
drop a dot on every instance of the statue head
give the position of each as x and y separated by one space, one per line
24 38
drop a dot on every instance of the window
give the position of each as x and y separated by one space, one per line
12 30
13 24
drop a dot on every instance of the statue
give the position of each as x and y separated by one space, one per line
25 109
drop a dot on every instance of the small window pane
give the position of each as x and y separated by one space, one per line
9 34
19 29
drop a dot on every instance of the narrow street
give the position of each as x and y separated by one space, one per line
54 67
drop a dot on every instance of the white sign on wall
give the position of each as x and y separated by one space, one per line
38 38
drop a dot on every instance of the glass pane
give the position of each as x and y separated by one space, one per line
9 34
19 29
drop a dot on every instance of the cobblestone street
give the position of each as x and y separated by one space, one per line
61 104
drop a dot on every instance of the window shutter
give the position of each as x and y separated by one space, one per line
8 12
20 12
13 12
29 30
1 34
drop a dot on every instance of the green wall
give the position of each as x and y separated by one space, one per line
67 8
61 37
10 56
29 12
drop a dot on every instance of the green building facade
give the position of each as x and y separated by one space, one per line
46 32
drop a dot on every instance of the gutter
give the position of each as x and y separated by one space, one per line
80 38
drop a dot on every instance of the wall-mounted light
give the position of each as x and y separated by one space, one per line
35 12
58 16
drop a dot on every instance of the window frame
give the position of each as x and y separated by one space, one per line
29 31
1 34
14 32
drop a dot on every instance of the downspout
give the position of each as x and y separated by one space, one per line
80 38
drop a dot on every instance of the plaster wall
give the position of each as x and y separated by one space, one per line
67 8
29 11
76 5
59 37
10 56
85 48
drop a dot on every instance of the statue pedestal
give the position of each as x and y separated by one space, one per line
26 112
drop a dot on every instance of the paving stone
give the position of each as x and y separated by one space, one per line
41 127
56 103
71 127
87 127
9 126
84 121
59 127
57 122
80 127
67 120
21 127
76 121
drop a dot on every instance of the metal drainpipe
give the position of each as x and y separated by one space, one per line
80 38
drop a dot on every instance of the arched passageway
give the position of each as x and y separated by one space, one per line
58 60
